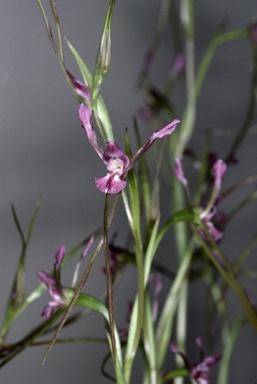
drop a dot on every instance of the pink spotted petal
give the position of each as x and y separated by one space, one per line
110 184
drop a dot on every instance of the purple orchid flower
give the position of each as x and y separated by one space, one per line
199 372
54 292
116 161
59 294
219 169
53 284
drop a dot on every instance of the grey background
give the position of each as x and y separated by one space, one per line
43 151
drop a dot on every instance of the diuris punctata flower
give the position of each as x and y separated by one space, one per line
116 161
199 372
59 294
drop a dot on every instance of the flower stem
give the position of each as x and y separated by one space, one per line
109 279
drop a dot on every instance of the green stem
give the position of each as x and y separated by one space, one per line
228 349
214 44
109 279
138 308
186 126
165 322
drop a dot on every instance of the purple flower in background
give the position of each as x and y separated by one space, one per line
214 232
59 256
179 173
219 170
56 295
53 284
116 161
199 372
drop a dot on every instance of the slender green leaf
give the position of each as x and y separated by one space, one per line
149 340
100 110
164 327
103 59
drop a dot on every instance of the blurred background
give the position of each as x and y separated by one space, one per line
44 152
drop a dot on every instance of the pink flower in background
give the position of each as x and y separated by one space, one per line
53 283
219 170
59 256
200 372
179 173
214 232
56 295
116 161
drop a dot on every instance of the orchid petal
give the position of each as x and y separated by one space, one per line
110 184
167 130
219 170
80 88
88 246
214 232
179 173
85 116
46 279
211 360
113 151
59 256
47 312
